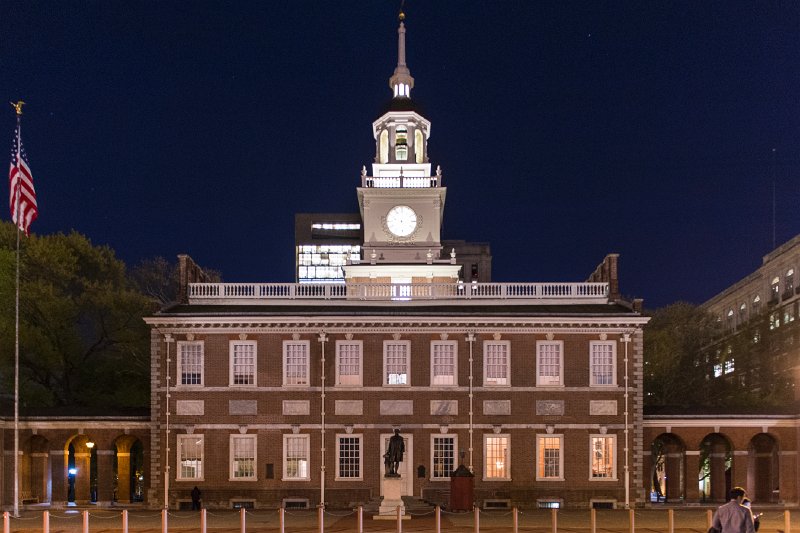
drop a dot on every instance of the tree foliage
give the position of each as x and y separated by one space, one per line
82 338
674 343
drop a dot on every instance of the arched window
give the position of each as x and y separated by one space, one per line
788 283
774 289
742 312
756 304
384 147
419 146
401 143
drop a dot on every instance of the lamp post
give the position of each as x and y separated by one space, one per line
168 340
626 338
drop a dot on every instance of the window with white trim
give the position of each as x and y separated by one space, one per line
443 456
549 457
190 362
190 457
396 362
549 363
496 363
348 363
444 359
296 363
496 457
243 363
603 450
349 457
602 363
243 457
296 466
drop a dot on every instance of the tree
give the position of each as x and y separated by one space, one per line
674 343
82 337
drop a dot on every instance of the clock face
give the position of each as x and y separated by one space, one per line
401 220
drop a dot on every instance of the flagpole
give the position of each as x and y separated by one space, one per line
18 107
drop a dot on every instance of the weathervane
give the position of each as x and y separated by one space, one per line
18 106
402 15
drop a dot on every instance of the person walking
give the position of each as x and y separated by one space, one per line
733 517
195 499
756 517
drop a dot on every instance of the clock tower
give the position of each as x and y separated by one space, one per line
402 202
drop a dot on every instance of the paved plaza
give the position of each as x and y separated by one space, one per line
343 521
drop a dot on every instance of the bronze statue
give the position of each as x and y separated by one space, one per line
394 454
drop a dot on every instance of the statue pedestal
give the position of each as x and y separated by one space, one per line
392 492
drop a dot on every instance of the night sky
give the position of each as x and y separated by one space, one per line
565 130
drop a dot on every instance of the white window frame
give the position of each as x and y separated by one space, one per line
549 382
385 377
452 437
307 345
613 345
560 438
179 370
614 454
486 382
307 439
232 363
454 344
507 466
231 462
360 377
360 438
179 450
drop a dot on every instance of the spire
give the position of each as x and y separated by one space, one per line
401 81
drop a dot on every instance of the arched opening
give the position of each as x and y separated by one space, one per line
81 470
128 465
716 459
383 147
667 471
419 146
763 469
35 470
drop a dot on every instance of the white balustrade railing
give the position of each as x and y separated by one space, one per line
400 182
205 292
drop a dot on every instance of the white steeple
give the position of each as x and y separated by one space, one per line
401 81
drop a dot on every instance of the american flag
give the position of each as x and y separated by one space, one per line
20 181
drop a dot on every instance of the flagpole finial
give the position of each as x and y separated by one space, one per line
17 106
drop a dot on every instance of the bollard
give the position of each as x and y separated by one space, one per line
515 519
438 516
360 519
124 521
787 522
593 519
164 528
477 521
631 521
281 525
242 521
203 522
670 521
6 523
46 522
554 519
399 521
709 518
85 521
321 518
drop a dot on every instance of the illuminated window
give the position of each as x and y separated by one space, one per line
190 457
729 366
190 362
243 362
549 364
348 363
295 363
717 370
788 314
549 457
730 318
603 452
443 456
774 288
419 146
384 147
756 304
774 320
296 458
496 459
243 457
602 363
443 363
742 313
496 363
348 457
401 143
788 282
396 367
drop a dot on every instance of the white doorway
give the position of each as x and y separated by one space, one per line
406 469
